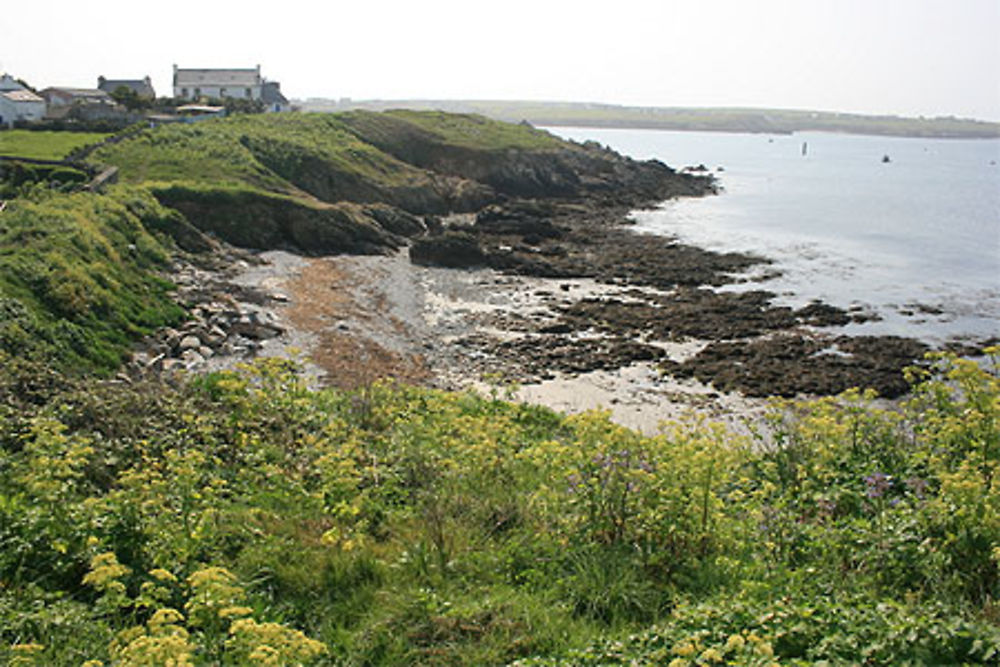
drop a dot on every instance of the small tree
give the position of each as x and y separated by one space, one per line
129 99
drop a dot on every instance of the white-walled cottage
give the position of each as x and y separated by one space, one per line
221 84
18 103
194 84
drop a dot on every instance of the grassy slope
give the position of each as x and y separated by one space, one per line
268 151
45 145
77 281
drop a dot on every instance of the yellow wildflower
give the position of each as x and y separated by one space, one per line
735 642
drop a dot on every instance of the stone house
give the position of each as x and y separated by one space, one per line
143 88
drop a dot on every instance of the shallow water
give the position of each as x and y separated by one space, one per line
842 225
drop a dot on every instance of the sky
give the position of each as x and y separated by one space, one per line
903 57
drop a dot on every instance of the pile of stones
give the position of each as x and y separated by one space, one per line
225 320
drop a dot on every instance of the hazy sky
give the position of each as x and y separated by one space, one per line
908 57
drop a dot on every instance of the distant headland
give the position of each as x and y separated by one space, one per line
702 119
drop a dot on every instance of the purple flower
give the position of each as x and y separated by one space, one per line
877 484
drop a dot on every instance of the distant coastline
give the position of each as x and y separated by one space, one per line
700 119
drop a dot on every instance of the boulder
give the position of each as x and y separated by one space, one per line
450 250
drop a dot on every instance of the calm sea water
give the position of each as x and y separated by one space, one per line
843 226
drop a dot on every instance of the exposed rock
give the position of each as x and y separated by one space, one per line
189 343
792 364
451 250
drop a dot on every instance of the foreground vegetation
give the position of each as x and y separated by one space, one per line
242 517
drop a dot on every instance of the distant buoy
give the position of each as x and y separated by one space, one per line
885 158
805 148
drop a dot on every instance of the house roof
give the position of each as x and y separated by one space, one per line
21 96
79 93
142 87
217 77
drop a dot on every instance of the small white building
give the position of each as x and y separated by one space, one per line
18 103
222 84
194 84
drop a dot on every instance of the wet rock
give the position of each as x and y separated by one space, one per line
791 364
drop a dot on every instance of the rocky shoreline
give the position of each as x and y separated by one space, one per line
563 301
542 281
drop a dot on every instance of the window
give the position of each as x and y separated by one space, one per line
222 92
197 92
249 93
184 92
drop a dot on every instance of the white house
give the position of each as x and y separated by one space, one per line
220 84
18 103
193 84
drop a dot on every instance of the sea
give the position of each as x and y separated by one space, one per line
906 229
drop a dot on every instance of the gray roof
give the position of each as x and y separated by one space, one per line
217 77
80 93
141 87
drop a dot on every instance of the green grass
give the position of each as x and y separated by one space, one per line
473 131
44 145
272 152
78 277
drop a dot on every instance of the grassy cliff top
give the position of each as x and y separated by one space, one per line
270 151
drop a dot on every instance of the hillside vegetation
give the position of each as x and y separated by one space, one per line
333 158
